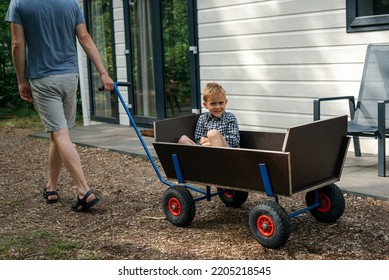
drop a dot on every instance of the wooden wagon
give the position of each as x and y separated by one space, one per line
307 158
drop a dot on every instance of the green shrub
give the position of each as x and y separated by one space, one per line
9 93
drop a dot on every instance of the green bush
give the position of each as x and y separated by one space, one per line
9 93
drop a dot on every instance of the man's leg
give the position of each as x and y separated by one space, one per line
55 165
71 160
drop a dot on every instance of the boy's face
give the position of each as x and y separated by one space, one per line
216 105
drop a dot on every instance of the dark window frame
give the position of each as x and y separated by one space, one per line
116 118
364 23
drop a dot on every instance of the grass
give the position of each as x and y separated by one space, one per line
25 118
36 244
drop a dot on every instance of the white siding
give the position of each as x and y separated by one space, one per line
121 67
274 57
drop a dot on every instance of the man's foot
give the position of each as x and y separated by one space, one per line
84 204
51 197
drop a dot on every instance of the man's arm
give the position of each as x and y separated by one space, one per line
92 52
19 60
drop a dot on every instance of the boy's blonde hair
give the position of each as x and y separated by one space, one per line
212 89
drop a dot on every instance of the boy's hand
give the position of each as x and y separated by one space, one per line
204 141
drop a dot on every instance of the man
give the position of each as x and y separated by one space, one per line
45 59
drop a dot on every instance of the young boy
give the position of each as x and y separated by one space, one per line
216 127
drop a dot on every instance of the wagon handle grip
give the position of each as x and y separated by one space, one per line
119 84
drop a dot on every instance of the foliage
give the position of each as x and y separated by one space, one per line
23 118
10 102
381 7
176 45
9 94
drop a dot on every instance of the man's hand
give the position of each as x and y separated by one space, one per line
25 92
107 82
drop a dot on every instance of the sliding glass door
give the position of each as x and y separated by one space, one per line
159 63
104 105
143 85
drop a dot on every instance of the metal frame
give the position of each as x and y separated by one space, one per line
364 23
270 193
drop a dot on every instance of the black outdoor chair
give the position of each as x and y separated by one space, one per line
368 117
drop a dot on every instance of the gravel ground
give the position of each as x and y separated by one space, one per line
129 222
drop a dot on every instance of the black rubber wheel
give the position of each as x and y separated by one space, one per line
332 203
269 224
232 198
179 206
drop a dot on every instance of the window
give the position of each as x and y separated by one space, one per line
141 14
367 15
176 54
104 105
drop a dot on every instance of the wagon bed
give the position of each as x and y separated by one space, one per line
306 157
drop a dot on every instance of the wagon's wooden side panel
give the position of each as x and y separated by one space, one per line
317 151
170 130
270 141
237 168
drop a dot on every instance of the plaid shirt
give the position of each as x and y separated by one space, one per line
227 125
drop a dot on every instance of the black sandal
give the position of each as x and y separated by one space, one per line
80 205
46 195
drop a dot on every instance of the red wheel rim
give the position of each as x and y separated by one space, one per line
265 225
229 194
325 203
174 206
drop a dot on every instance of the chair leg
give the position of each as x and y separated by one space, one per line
357 146
381 157
381 138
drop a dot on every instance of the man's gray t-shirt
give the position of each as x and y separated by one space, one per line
49 29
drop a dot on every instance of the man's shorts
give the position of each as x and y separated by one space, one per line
55 99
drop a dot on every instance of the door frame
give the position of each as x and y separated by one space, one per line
194 57
92 87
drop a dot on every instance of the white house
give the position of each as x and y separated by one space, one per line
273 57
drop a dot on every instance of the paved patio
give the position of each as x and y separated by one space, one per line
359 173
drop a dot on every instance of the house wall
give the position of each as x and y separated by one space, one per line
274 57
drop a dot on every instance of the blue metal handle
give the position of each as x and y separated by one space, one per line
116 85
